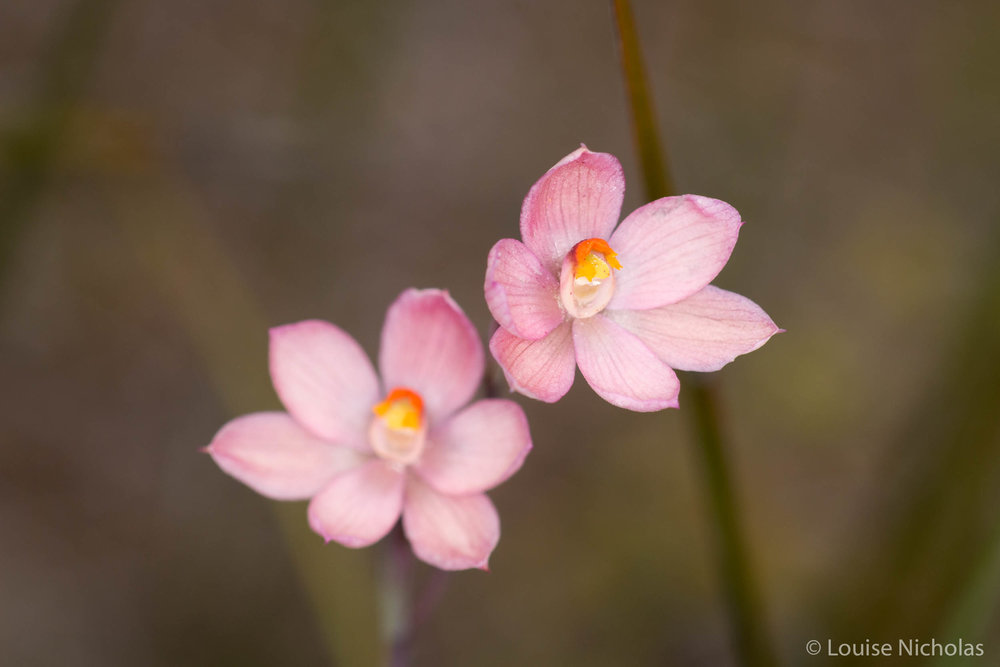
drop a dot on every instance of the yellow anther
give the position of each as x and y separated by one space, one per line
595 259
401 410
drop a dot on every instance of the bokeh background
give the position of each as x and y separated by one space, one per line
176 177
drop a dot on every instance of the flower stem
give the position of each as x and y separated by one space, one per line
655 170
395 613
745 609
400 614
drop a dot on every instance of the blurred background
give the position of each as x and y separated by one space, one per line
176 177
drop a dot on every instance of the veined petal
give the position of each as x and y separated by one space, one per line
671 248
450 532
431 347
325 380
541 369
476 449
522 294
621 369
704 332
360 506
277 458
579 198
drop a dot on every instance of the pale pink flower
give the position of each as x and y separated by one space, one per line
366 451
627 305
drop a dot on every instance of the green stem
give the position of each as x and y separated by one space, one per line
655 170
745 609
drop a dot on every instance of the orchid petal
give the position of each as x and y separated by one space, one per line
522 294
325 380
450 532
621 369
476 449
431 347
276 457
704 332
541 369
671 248
579 198
360 506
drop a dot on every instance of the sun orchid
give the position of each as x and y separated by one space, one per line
366 451
627 305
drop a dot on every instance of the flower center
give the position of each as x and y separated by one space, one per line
398 430
594 260
587 282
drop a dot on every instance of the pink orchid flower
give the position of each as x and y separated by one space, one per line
367 451
627 305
